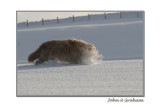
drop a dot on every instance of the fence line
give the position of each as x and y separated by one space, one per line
106 16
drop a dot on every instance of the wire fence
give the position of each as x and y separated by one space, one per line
89 17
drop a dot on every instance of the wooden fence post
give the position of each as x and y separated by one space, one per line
137 14
73 18
42 21
88 17
105 15
27 23
120 14
57 20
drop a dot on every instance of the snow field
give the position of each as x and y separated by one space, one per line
110 78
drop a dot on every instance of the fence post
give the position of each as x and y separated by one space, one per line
88 17
27 23
137 14
120 14
105 15
57 20
73 18
42 21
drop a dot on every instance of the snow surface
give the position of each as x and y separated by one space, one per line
120 41
110 78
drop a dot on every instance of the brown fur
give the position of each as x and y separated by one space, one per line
70 50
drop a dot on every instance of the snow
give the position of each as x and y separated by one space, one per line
110 78
120 41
